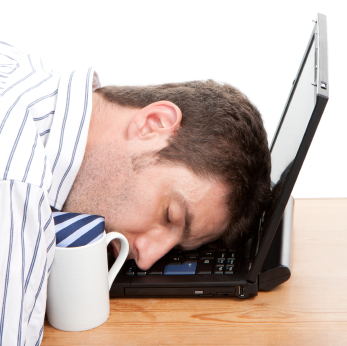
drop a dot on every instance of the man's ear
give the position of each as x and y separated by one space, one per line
159 119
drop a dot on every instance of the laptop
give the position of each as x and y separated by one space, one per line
264 261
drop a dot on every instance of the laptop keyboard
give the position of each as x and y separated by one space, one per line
189 263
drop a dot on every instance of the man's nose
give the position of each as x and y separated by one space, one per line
151 249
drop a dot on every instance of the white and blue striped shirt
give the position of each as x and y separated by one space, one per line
44 120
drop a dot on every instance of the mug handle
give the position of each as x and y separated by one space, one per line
124 250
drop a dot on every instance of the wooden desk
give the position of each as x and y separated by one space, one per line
309 309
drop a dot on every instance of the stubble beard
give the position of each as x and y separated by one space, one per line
102 186
106 185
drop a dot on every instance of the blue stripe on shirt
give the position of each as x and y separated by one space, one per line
9 65
78 136
45 132
64 122
50 245
10 109
23 79
44 172
7 269
5 44
38 239
48 222
39 289
40 334
44 116
22 125
30 159
19 338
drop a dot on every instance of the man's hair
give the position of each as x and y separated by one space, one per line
221 137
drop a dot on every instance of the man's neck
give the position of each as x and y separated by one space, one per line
109 122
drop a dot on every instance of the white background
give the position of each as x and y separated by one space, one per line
256 46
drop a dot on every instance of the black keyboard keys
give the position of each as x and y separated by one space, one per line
221 254
207 255
189 258
157 268
204 266
130 271
219 269
189 263
230 262
177 260
229 269
181 264
186 268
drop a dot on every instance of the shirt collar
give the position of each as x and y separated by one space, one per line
68 137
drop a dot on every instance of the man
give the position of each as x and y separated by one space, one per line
208 181
176 165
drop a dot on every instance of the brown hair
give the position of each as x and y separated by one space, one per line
221 136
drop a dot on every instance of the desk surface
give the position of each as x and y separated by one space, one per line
309 309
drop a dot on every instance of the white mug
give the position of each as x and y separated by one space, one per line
79 284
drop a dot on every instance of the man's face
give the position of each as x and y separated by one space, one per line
162 207
158 207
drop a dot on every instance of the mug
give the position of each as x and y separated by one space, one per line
79 284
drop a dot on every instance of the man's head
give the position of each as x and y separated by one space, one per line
177 149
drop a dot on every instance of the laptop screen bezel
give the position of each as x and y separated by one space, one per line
317 41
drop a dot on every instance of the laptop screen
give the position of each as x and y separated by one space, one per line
299 121
292 128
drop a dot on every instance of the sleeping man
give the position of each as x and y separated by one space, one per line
173 165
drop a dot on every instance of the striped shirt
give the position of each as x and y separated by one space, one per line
44 120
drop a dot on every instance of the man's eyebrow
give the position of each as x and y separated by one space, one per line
188 216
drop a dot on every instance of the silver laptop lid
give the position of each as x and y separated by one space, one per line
295 131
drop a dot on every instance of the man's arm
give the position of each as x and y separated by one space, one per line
27 235
26 254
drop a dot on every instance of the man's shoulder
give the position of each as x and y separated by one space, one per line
22 88
20 70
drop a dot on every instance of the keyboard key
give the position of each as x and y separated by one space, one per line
230 261
157 268
190 258
141 273
229 269
130 271
220 261
221 254
219 269
187 268
232 255
175 253
207 255
175 260
191 253
204 266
